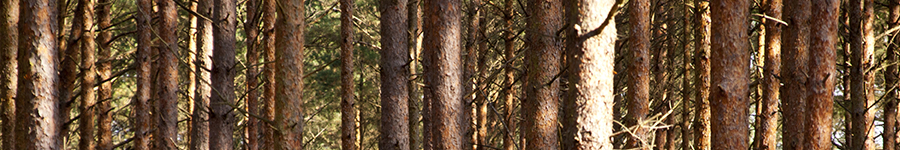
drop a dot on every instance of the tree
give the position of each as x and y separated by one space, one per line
104 93
9 9
638 95
289 59
591 61
221 119
794 63
542 65
348 99
88 94
414 15
252 73
37 111
891 76
766 134
728 59
141 116
701 80
394 75
822 65
203 63
166 133
269 93
509 96
862 43
443 73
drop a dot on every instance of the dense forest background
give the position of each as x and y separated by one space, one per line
449 74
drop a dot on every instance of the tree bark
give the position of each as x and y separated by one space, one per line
394 76
104 93
415 92
794 62
289 51
638 95
268 140
37 111
141 110
862 43
203 63
766 132
509 96
822 69
729 73
701 64
221 119
591 63
891 77
348 99
471 83
442 28
542 66
252 73
88 94
166 133
9 10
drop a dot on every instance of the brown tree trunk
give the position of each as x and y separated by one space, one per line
638 95
252 75
268 30
766 132
729 73
88 94
796 38
509 96
591 62
442 28
862 43
104 93
822 68
687 89
37 111
348 100
141 110
203 63
394 76
891 77
415 101
701 80
542 64
221 119
166 133
289 51
469 76
68 74
9 9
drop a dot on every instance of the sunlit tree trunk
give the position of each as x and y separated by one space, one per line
9 10
729 98
202 65
862 43
701 80
822 44
251 27
638 95
443 73
104 93
470 83
37 110
166 133
141 106
767 130
289 79
415 92
348 99
509 96
268 31
88 93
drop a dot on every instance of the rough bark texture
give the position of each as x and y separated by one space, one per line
252 73
9 20
221 119
767 129
394 76
730 76
104 93
88 93
166 133
141 110
891 77
203 93
795 52
542 66
701 80
267 142
822 74
862 88
591 75
470 78
69 51
37 109
509 96
443 73
289 51
348 99
638 95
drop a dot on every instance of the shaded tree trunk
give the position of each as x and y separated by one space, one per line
252 75
729 73
289 51
348 99
394 76
542 66
221 119
88 93
638 95
701 80
37 111
794 62
822 69
104 93
891 77
268 30
862 43
9 9
444 93
766 132
141 110
166 133
509 96
471 83
415 101
203 64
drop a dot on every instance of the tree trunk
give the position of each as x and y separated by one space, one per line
289 79
542 65
509 96
796 38
9 9
88 94
415 101
822 67
104 93
268 30
862 43
203 63
221 119
638 71
37 112
469 76
394 76
252 75
68 74
348 99
141 115
766 132
701 80
442 28
591 61
729 73
166 133
891 77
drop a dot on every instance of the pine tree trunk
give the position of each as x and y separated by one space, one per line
415 92
766 132
289 79
729 73
862 43
348 99
37 112
221 120
701 80
891 77
88 94
638 95
542 64
443 73
509 96
104 93
794 63
68 74
268 30
822 67
203 63
9 9
469 76
141 115
252 74
394 76
166 133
